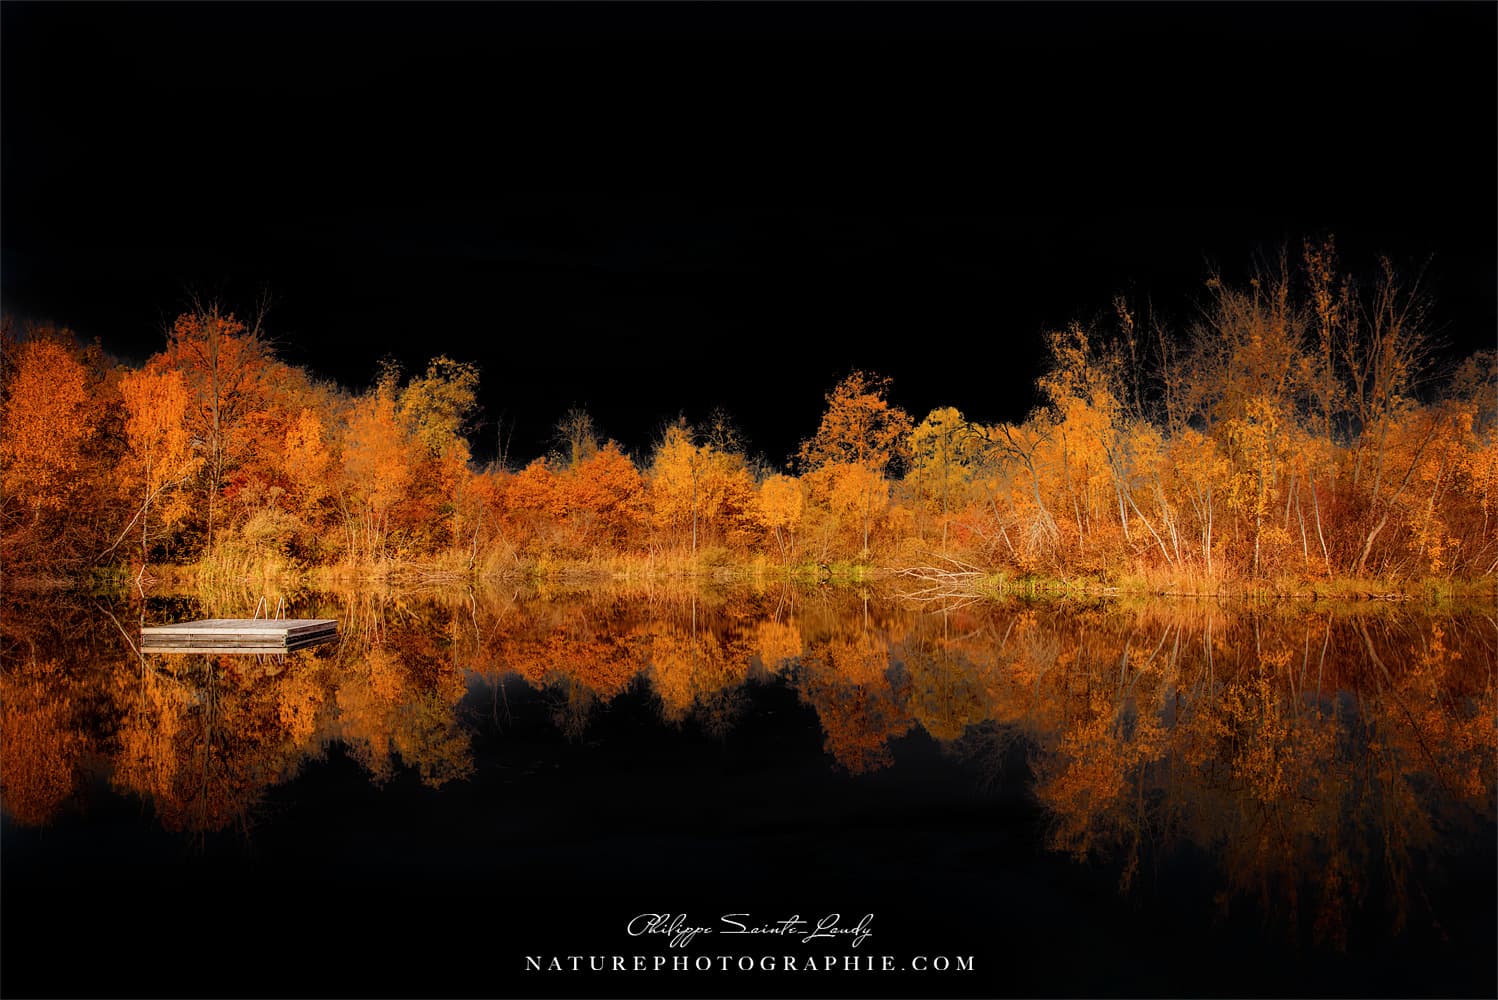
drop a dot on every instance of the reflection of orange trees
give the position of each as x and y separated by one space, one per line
1089 688
778 643
603 661
690 668
151 750
1446 714
584 650
56 712
1230 735
945 691
41 740
858 722
588 648
1272 755
1429 734
203 737
1158 725
1287 802
1098 757
845 676
397 693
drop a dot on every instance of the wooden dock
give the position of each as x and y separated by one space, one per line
238 635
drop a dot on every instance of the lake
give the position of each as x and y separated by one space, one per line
678 791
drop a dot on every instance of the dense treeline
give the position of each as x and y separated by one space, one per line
1299 426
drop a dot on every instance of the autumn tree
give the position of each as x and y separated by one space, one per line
378 463
778 507
697 488
862 428
851 497
861 425
944 453
1010 470
1384 364
226 367
576 437
602 498
1333 314
526 502
1288 431
437 409
47 422
1248 347
162 457
58 412
308 461
438 406
942 449
676 479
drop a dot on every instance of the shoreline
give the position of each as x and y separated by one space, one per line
926 583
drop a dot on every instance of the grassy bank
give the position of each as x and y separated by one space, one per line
234 572
1000 585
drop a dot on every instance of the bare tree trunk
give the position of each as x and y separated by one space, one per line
1316 507
145 514
1305 545
215 446
1209 529
1368 545
1158 540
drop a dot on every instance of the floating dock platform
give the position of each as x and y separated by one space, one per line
238 635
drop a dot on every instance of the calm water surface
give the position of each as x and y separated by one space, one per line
1073 799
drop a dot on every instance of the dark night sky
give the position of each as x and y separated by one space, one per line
652 209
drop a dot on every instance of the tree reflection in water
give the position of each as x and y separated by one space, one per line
1316 752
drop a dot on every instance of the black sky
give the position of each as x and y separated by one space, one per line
653 209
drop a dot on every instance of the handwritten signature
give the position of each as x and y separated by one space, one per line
681 929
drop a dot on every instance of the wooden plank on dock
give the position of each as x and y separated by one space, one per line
239 634
274 649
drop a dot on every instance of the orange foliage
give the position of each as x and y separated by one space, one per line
378 460
860 426
160 446
603 494
1307 747
779 644
1281 438
41 742
699 493
778 508
47 420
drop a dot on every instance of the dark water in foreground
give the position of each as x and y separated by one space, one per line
474 795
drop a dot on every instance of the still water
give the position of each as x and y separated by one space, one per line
587 793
